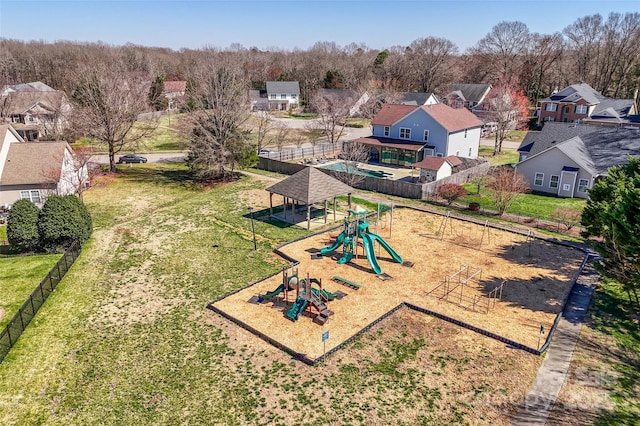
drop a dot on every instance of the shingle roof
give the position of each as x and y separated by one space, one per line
283 87
340 95
33 163
472 92
310 185
20 102
434 163
418 97
394 143
452 119
576 92
609 107
596 148
390 113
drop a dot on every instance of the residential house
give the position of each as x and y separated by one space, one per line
258 100
436 168
582 103
350 100
35 110
283 95
565 159
467 96
174 91
406 134
34 170
418 98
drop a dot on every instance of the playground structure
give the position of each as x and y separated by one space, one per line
453 286
353 231
459 234
307 297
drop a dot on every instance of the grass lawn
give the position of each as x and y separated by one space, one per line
3 232
507 156
603 384
531 205
126 337
19 276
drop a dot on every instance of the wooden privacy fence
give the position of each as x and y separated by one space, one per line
9 336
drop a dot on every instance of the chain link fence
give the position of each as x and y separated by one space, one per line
9 336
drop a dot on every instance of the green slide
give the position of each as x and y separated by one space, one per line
345 258
297 308
369 248
325 294
337 243
275 292
385 245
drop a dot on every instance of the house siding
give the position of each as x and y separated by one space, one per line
459 145
550 163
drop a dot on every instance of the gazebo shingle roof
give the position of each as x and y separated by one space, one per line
310 185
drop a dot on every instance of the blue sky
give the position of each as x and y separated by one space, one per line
285 25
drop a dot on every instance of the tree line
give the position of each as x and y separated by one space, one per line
602 52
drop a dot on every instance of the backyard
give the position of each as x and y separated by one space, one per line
126 337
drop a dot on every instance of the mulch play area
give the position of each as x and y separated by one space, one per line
527 278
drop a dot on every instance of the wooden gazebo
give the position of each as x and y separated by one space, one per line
308 186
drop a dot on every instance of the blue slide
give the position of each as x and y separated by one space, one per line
297 308
369 248
337 243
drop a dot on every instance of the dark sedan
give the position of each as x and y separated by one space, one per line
132 158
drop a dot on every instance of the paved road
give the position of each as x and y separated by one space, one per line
161 157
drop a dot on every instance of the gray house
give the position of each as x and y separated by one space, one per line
565 159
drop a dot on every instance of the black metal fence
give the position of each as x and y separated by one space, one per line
9 336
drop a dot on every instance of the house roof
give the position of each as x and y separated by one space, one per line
435 163
33 163
595 148
574 93
286 87
22 101
310 185
393 143
340 95
471 92
390 113
608 107
415 98
452 119
36 86
175 86
255 95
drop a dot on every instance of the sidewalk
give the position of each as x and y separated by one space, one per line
538 403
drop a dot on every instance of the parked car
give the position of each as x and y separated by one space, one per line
132 158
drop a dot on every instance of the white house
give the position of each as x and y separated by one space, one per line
283 95
34 170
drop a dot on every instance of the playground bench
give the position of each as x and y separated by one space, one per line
346 282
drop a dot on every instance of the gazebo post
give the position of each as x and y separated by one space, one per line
308 216
349 199
284 203
334 208
270 204
325 211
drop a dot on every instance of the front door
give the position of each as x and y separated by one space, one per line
567 184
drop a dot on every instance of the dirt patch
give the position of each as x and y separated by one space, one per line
536 274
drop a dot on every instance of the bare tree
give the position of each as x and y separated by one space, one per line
507 106
262 126
108 105
352 155
505 47
429 61
567 216
332 114
313 133
280 135
217 139
505 187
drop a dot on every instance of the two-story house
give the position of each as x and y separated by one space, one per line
35 110
35 170
406 134
283 95
174 91
565 159
582 103
468 96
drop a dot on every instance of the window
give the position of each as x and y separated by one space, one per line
386 131
457 153
405 133
583 185
283 96
465 133
470 151
581 109
294 96
272 96
426 135
549 119
539 179
553 181
33 196
551 107
15 118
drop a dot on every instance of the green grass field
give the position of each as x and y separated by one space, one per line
507 156
19 276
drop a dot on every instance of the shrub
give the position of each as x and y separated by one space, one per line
450 192
62 220
22 226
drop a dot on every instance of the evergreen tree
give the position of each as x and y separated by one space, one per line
22 226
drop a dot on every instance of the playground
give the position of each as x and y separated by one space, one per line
503 282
